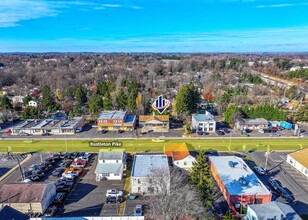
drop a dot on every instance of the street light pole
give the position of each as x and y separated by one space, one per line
267 153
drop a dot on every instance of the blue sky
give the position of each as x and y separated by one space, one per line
154 26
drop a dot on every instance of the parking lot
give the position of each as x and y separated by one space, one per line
290 179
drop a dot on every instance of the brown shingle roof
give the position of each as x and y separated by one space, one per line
147 118
301 156
22 192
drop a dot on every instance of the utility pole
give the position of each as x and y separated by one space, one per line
267 153
22 175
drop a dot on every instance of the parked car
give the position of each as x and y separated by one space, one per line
45 134
73 169
58 172
33 167
66 164
138 210
59 198
226 130
88 155
47 164
65 183
51 211
220 132
274 135
274 129
34 178
284 194
114 192
38 173
261 131
78 130
23 134
259 170
56 156
274 184
113 199
63 188
70 175
68 179
50 160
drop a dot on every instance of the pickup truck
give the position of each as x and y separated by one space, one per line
114 193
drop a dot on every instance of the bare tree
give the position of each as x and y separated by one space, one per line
174 197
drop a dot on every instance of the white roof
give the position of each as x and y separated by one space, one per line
109 168
143 164
240 179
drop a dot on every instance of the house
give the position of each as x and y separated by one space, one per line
156 123
180 155
8 213
251 124
41 126
111 165
33 103
203 122
271 210
17 99
299 160
115 121
28 197
237 182
149 174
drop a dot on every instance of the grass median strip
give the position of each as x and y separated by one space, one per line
145 145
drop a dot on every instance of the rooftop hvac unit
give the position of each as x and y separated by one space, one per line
231 164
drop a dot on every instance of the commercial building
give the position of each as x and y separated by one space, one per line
28 197
180 156
237 182
116 120
41 126
251 124
150 174
299 160
111 165
158 123
272 210
203 122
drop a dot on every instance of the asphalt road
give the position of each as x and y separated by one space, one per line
289 178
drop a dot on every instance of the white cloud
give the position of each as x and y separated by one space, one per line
12 12
112 5
135 7
282 5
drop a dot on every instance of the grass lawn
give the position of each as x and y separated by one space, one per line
148 145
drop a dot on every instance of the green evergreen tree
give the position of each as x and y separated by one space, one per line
201 177
27 99
121 100
95 103
5 102
48 100
187 100
107 102
81 95
30 113
131 103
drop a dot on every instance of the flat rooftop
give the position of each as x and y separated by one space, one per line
144 164
239 179
203 117
254 121
112 115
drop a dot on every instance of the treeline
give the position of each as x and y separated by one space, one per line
266 111
298 74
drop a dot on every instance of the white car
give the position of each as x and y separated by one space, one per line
114 192
259 170
261 131
78 130
84 158
71 175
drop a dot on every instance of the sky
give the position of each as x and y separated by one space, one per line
154 26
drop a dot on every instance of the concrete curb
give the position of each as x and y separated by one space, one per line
15 167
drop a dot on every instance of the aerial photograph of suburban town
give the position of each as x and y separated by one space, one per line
153 110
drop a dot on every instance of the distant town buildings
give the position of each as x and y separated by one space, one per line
299 160
116 120
111 165
158 123
148 171
203 122
237 182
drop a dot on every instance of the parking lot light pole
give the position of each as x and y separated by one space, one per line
267 153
